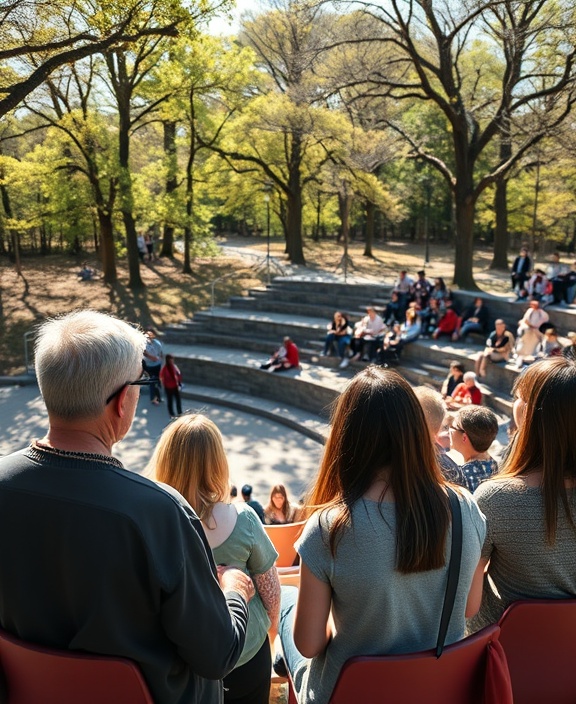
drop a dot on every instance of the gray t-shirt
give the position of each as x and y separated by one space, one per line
376 609
522 564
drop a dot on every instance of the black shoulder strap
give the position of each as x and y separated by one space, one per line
453 569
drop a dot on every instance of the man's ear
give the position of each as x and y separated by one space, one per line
120 402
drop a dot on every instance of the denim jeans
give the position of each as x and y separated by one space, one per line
341 340
295 662
154 371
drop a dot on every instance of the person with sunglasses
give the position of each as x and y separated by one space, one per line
99 559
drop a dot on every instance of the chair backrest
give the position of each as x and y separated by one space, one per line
283 538
38 675
539 639
457 677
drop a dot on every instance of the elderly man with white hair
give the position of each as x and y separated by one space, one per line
96 558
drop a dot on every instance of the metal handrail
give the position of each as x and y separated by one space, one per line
27 363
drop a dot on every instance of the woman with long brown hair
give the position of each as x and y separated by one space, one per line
530 507
279 510
374 552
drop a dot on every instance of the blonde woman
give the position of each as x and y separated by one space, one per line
190 457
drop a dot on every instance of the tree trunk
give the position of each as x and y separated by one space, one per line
294 203
107 252
501 238
465 207
171 186
125 180
370 214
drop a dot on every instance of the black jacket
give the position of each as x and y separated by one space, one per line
96 558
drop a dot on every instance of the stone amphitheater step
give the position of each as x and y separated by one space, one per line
312 387
348 301
250 333
304 422
323 310
500 377
263 324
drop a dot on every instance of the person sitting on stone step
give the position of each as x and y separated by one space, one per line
367 334
286 357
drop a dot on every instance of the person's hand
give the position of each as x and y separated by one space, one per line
234 580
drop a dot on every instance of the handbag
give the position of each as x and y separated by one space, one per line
497 682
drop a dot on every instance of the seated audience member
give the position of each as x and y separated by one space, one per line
421 290
190 457
472 432
412 327
550 345
367 333
499 348
395 311
100 559
430 317
255 505
437 421
556 273
474 319
279 510
455 377
86 273
440 292
404 288
286 357
570 350
521 268
339 332
537 285
391 346
465 393
530 506
447 323
529 331
570 284
379 489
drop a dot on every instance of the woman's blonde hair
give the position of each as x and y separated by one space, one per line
190 457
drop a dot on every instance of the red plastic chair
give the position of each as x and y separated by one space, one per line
37 675
539 639
457 677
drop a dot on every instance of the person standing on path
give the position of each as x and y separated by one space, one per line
171 379
152 363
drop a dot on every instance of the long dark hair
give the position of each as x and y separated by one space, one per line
378 424
546 439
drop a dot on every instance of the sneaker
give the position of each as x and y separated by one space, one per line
155 402
344 363
356 357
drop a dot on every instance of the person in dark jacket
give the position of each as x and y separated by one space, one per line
96 558
521 269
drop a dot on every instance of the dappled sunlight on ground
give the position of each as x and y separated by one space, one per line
260 452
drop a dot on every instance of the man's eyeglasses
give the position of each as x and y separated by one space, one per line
144 380
455 427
